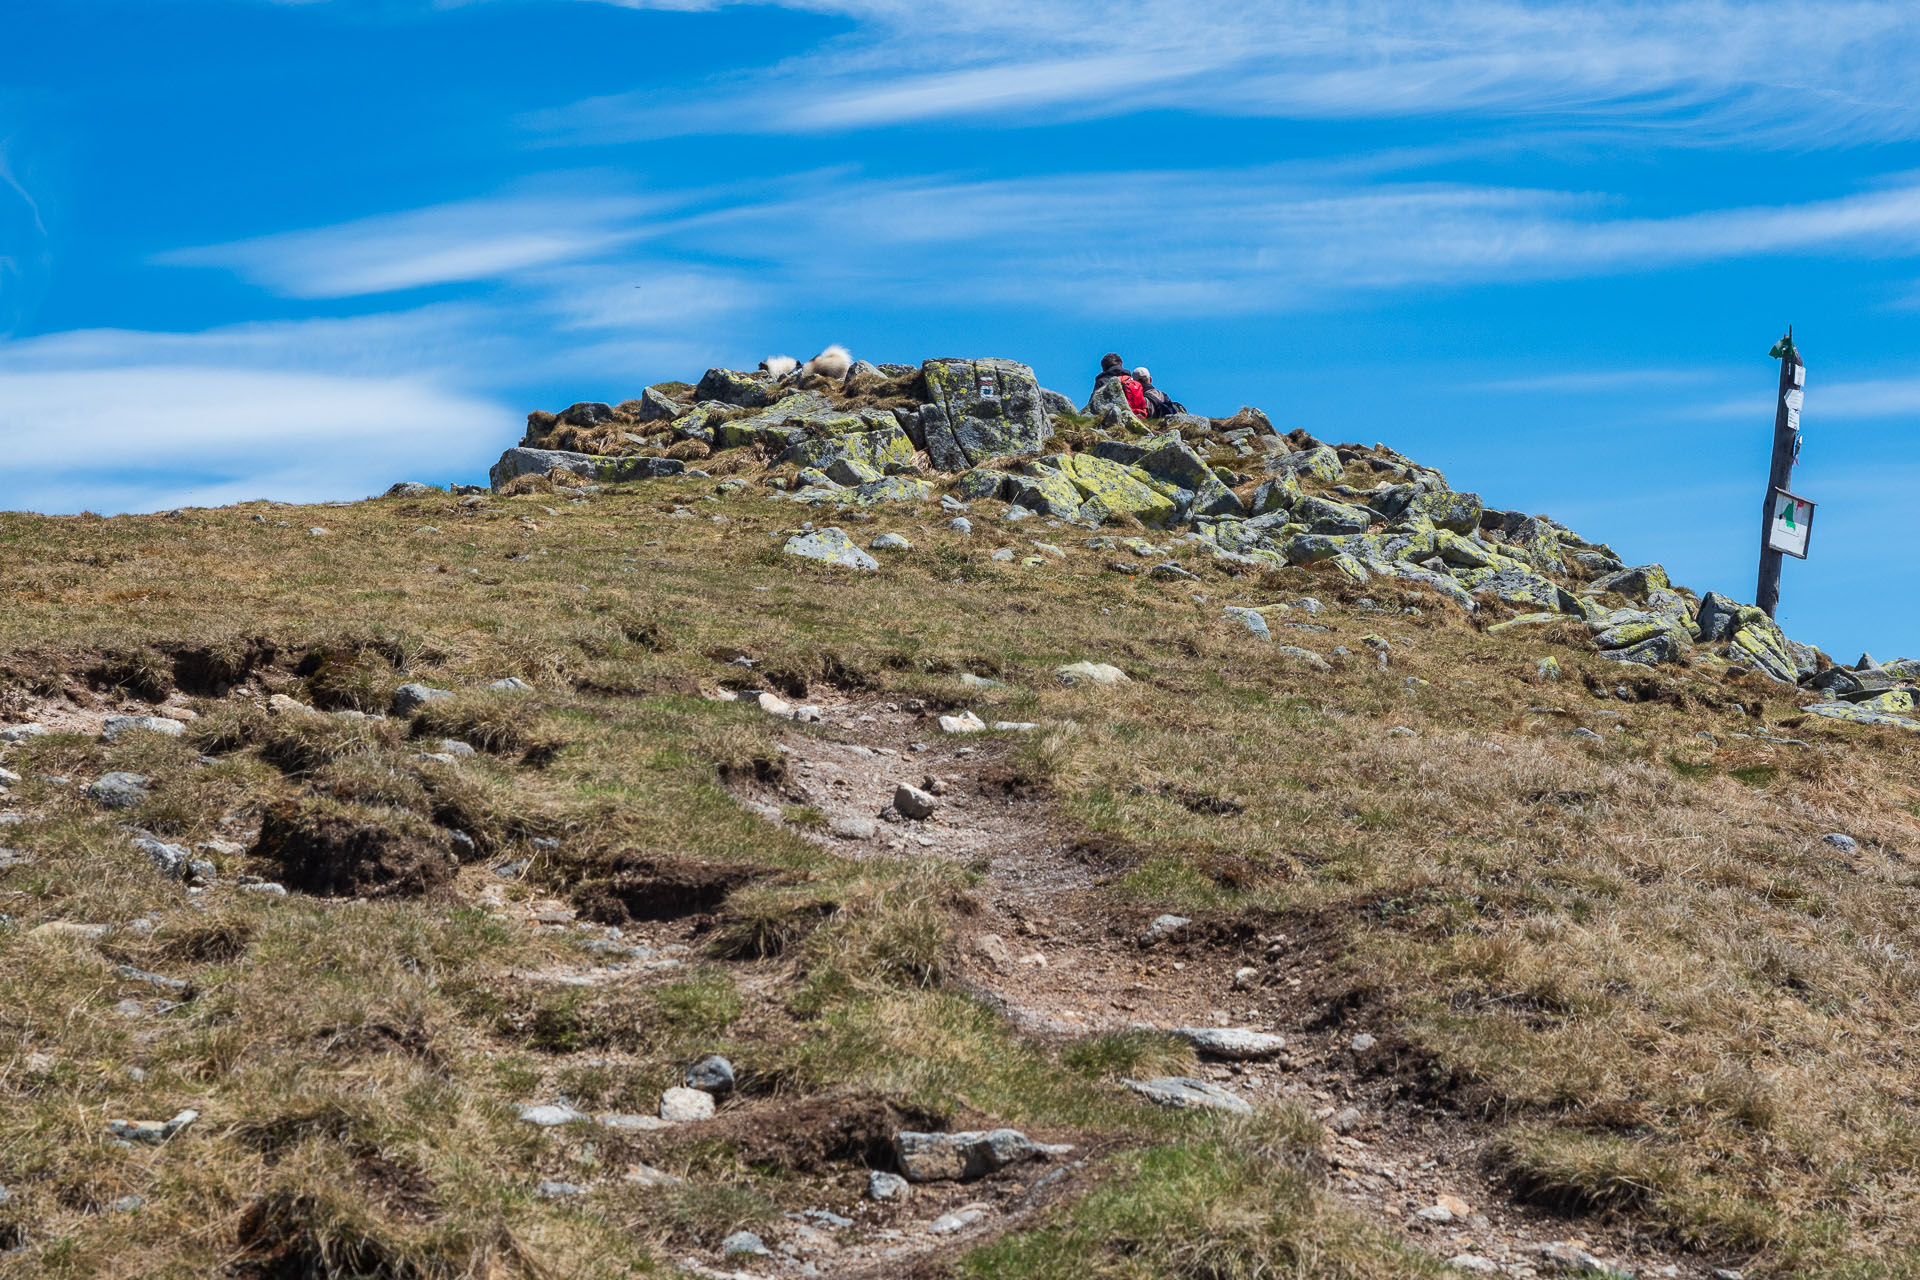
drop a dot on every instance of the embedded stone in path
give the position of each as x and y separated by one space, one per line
933 1157
1184 1091
1233 1044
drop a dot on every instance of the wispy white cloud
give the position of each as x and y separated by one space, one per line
446 244
1716 67
1257 239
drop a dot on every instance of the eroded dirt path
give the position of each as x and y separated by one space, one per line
1061 957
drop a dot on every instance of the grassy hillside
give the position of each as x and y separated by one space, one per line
1618 989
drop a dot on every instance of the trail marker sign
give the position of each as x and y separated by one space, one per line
1792 525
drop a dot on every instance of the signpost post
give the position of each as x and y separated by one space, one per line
1785 520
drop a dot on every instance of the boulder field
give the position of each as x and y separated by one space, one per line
966 431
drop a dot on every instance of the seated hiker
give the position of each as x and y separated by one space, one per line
1159 403
1111 367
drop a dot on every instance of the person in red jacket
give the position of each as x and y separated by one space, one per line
1112 366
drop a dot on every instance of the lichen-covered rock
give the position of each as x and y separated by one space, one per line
1445 509
851 471
830 546
890 489
1176 463
1109 489
1045 490
977 410
1185 1092
1520 587
1756 641
877 449
1321 462
1863 715
737 387
1277 494
1636 582
1109 400
979 486
610 470
1324 515
1439 582
1461 552
1717 618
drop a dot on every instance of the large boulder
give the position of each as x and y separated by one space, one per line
887 446
977 410
520 461
1446 509
1109 489
1109 398
737 387
1518 587
1045 490
830 546
1320 462
1755 640
1323 515
1635 582
1175 463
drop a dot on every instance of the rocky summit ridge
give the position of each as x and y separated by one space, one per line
966 431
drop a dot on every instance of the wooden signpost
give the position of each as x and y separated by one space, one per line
1786 521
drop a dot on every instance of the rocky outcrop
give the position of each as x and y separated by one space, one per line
968 431
978 410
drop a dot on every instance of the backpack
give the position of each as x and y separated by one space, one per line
1136 397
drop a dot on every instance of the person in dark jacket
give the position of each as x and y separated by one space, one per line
1111 367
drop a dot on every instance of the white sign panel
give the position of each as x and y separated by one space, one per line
1791 526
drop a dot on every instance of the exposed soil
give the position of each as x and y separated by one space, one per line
1061 957
324 851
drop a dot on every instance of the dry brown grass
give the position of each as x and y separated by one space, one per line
1634 956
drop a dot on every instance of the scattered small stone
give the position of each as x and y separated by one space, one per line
958 1219
1561 1256
550 1115
269 887
409 698
629 1122
683 1106
744 1244
1162 927
1401 731
830 546
1844 843
965 722
510 684
151 1132
117 727
912 802
1346 1120
131 974
932 1157
884 1186
1099 673
551 1189
118 790
128 1204
1245 978
1585 735
1474 1262
648 1176
889 542
170 860
21 732
713 1074
960 524
853 828
1361 1043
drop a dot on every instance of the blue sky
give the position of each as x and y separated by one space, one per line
301 250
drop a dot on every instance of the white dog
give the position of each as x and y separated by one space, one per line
831 363
779 366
